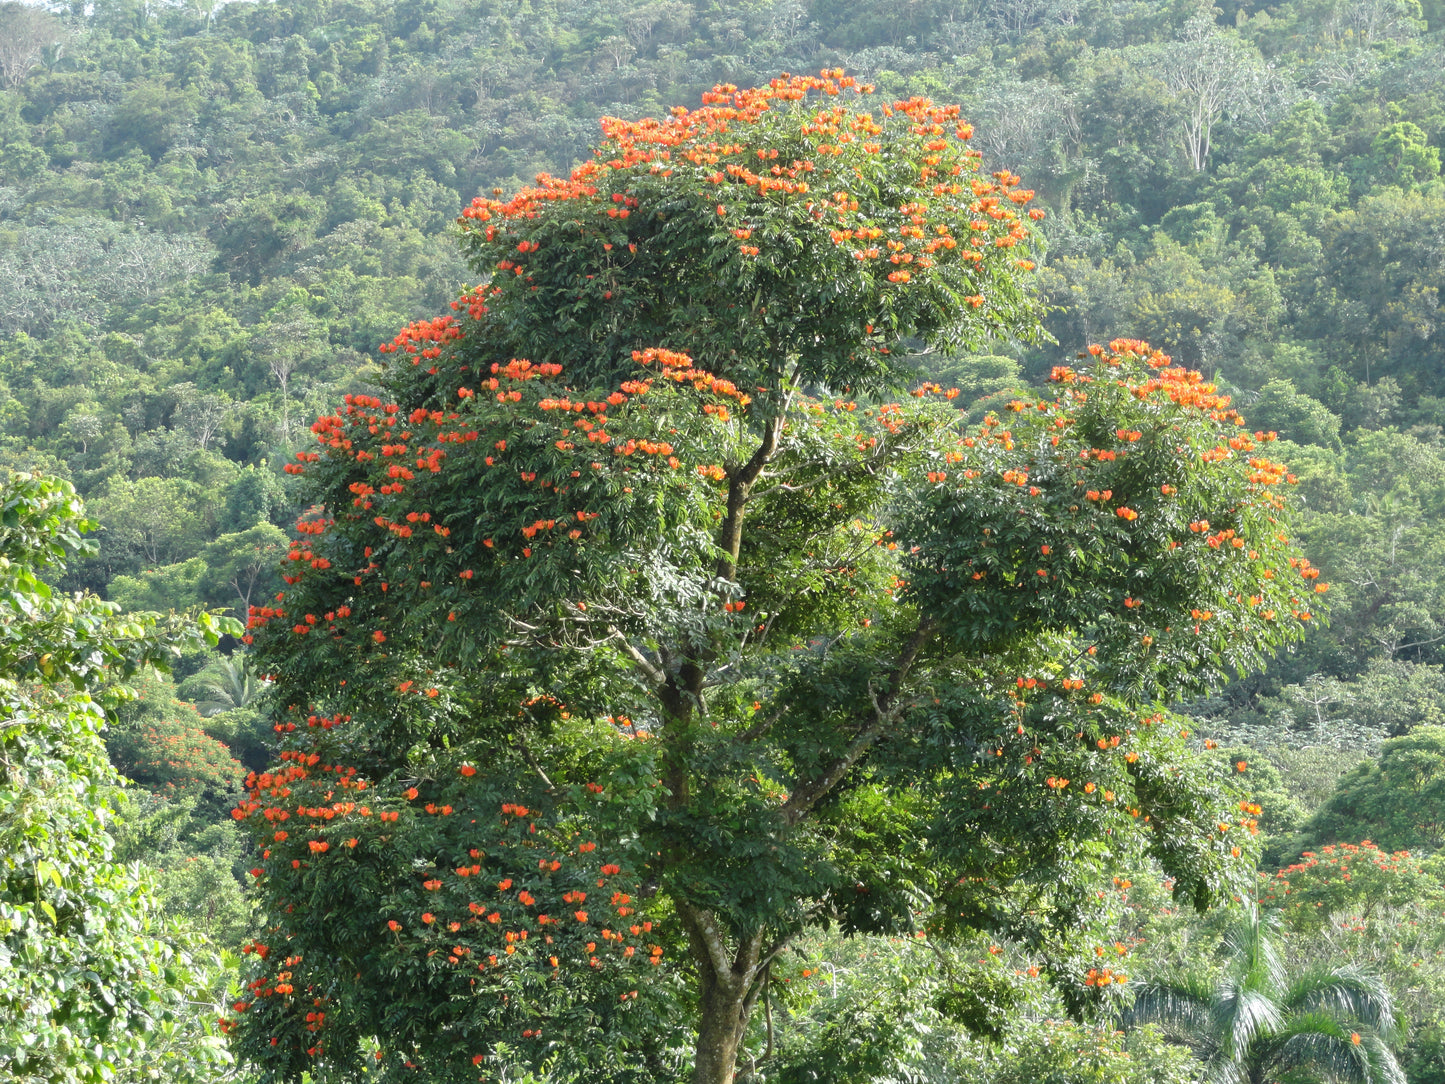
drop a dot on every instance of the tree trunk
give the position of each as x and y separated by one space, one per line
725 1012
729 989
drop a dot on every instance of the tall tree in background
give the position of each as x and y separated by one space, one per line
1212 74
634 632
26 32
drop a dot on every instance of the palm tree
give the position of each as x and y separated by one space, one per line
227 684
1259 1025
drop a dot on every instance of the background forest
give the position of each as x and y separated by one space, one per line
212 214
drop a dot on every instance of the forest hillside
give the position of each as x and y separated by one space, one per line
212 216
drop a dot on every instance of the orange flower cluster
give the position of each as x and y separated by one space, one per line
1337 864
435 931
679 368
413 338
707 141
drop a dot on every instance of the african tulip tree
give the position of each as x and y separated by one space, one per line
634 631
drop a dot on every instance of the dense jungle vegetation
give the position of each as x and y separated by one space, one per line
213 215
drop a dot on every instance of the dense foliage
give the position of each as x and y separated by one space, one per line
90 984
210 216
256 194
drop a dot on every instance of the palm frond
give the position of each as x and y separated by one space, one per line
1223 1070
1332 1026
1344 991
228 684
1181 1009
1242 1017
1321 1044
1256 961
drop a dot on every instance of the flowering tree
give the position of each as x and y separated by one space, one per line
175 758
1358 879
634 630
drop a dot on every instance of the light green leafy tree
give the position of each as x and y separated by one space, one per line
1398 801
91 988
1404 157
153 518
241 567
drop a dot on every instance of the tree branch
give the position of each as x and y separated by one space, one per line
649 670
703 927
740 482
768 1009
762 726
532 761
885 712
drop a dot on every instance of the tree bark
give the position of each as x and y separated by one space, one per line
719 1034
729 987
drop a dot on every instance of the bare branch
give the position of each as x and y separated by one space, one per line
532 762
649 669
